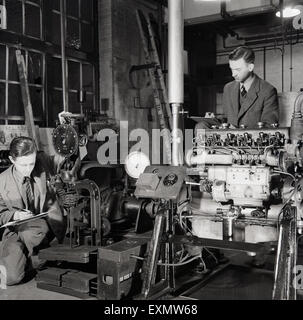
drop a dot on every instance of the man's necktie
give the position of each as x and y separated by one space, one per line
243 91
29 194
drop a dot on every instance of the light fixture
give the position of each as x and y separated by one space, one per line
288 12
204 0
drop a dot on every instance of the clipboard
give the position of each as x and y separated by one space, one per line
18 222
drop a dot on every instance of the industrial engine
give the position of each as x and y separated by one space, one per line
241 189
245 177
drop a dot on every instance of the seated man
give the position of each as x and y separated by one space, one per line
248 99
25 192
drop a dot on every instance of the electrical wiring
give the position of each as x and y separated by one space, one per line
183 202
285 173
284 205
216 260
202 261
180 264
291 195
183 226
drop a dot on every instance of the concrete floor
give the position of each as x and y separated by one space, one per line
29 291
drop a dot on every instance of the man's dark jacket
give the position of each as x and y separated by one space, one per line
260 104
11 198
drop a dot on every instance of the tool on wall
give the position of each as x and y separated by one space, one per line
28 109
156 78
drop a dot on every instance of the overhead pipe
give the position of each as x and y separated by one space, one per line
281 5
262 39
224 14
176 73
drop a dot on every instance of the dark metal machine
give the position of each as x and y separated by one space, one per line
97 215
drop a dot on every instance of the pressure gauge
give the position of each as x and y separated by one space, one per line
135 164
65 140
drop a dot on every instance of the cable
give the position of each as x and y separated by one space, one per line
285 173
204 265
184 258
284 205
216 260
136 257
291 195
183 202
180 264
181 255
184 227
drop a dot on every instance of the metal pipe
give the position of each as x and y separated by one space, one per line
281 5
264 63
296 129
177 136
87 166
175 51
206 158
291 65
176 72
63 55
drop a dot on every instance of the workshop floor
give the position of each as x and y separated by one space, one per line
29 291
235 283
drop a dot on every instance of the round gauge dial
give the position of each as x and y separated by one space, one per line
65 140
135 164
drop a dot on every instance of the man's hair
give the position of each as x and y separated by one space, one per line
22 146
243 52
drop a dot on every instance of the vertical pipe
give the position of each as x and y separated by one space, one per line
291 64
176 72
175 51
281 5
63 55
264 63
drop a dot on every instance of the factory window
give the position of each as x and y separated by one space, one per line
81 86
11 104
39 24
24 17
79 24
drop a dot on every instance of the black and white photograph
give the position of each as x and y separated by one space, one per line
151 153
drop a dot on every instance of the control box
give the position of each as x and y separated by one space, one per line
160 182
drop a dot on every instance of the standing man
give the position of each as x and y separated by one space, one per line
248 99
25 192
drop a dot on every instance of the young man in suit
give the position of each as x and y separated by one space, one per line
24 192
248 99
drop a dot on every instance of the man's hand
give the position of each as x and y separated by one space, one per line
21 215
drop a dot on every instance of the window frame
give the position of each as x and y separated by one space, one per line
48 49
